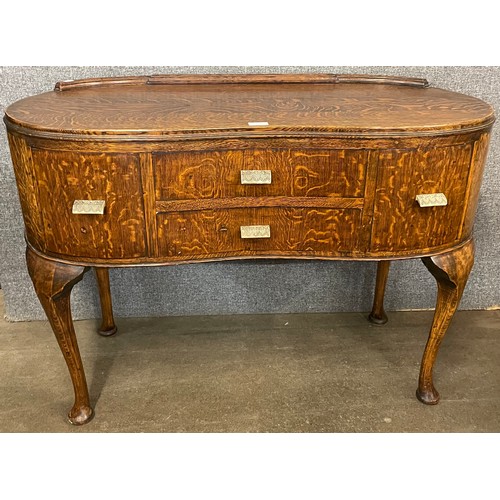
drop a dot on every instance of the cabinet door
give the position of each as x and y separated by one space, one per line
63 177
399 222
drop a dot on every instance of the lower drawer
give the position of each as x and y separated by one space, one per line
202 234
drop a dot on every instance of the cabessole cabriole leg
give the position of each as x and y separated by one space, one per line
53 282
108 326
451 271
378 315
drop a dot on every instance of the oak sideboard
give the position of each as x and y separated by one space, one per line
172 169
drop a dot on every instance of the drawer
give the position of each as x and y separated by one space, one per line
294 173
284 230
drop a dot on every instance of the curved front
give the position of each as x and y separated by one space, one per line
172 202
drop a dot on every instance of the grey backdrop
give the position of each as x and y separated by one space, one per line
251 286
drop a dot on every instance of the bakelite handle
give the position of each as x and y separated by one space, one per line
432 200
249 232
89 207
256 176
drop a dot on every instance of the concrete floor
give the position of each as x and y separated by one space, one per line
265 373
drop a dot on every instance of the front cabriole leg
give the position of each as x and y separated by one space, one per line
53 283
451 271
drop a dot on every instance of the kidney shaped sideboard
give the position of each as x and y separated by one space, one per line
171 169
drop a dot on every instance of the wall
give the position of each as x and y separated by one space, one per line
250 286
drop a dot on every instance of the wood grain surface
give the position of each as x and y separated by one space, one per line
24 171
175 79
188 108
138 186
295 173
399 223
315 231
53 283
451 271
474 183
382 183
63 177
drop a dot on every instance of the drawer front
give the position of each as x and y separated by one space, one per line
294 173
400 222
64 177
273 231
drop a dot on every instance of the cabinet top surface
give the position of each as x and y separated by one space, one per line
191 104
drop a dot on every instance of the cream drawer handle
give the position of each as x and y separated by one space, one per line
255 176
432 200
255 231
95 207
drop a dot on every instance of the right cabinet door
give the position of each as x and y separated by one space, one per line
399 222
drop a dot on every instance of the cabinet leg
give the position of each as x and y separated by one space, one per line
108 326
378 315
53 283
451 271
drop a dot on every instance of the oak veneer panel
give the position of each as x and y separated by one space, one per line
399 223
300 173
254 202
26 187
192 108
475 177
293 230
63 177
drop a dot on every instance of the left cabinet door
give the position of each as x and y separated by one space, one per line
62 177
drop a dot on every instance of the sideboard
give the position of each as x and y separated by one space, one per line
171 169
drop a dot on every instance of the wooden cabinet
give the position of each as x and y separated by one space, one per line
171 169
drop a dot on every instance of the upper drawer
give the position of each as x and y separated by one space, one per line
217 174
